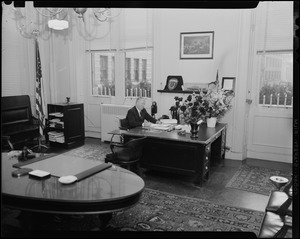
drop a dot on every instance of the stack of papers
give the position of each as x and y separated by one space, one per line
56 136
161 126
57 114
56 123
168 121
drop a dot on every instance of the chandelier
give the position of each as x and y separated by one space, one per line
57 18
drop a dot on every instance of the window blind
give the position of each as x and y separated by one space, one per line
275 26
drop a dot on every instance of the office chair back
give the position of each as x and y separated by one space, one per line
127 153
123 124
136 148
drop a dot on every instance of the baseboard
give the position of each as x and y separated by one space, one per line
92 134
234 156
282 158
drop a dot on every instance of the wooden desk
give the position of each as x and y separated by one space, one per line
170 152
104 192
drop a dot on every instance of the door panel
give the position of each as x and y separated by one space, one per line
270 88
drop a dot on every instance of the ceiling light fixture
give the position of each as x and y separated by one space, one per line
59 18
58 24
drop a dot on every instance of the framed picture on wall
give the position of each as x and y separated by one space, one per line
228 83
196 45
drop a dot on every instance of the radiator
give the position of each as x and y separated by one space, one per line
109 120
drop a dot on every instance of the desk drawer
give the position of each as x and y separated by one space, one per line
207 149
217 136
207 153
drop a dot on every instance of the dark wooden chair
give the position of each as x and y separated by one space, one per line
126 154
18 123
123 123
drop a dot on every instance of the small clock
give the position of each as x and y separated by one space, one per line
174 83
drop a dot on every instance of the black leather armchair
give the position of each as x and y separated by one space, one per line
126 154
17 122
277 222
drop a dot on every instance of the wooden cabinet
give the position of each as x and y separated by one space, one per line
65 125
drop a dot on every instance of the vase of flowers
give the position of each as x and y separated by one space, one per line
216 102
209 104
190 112
194 130
211 122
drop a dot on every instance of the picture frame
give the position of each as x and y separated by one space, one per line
196 45
228 83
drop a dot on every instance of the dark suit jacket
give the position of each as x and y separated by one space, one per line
134 119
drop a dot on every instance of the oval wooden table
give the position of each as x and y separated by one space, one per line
102 193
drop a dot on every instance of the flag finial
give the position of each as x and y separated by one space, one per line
217 78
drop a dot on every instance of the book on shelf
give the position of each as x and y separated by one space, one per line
56 136
59 140
56 133
56 114
54 120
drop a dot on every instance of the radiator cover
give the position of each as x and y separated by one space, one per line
109 118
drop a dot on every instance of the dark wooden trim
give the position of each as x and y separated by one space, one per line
177 91
68 206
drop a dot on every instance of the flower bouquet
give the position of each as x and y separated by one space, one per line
208 103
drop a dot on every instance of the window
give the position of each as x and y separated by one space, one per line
277 79
103 73
140 63
275 53
121 62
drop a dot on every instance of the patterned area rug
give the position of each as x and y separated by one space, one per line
90 151
160 211
255 179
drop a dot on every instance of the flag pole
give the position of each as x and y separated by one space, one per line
39 95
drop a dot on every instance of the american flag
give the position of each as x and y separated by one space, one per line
39 92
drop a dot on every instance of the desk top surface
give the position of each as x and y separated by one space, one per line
113 186
205 134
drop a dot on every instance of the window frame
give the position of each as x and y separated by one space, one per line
93 71
262 69
140 74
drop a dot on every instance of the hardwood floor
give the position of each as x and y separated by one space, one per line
213 190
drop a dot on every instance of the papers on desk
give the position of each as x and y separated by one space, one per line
39 173
168 121
161 126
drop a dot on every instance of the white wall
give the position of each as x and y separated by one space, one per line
230 55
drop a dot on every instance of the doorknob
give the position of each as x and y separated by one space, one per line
249 101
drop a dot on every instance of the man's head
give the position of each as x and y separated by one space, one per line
140 103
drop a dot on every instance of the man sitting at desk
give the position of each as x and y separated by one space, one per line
137 114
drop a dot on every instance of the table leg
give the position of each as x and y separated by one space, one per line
104 219
198 180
